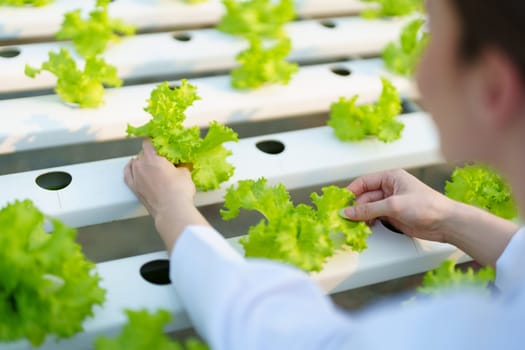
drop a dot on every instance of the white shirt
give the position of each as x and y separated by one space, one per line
239 304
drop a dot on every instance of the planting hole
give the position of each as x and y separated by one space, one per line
270 147
184 37
391 227
409 107
156 272
54 181
342 71
327 23
9 52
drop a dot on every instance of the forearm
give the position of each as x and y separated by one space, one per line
171 222
481 235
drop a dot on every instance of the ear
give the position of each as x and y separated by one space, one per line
503 88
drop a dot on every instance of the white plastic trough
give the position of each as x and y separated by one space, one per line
17 23
44 121
206 50
97 192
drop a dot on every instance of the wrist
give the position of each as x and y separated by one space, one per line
171 220
455 217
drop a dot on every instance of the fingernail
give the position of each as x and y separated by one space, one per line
346 212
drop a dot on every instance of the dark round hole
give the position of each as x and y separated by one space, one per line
391 227
409 107
185 37
174 86
156 271
270 147
54 181
327 23
9 52
342 71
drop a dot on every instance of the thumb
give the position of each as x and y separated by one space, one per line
367 211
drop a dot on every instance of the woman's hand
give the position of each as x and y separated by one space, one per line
422 212
404 201
159 185
166 191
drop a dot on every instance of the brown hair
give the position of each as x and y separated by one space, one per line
492 23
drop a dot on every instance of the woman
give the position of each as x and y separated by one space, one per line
472 78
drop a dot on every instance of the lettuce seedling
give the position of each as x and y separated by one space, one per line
260 65
91 36
482 187
262 18
144 330
352 122
402 57
392 8
446 278
299 235
180 145
46 284
85 88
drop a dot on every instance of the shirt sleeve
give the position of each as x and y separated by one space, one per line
240 304
250 304
510 272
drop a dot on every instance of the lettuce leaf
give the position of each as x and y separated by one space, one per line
446 278
184 145
260 65
482 187
392 8
47 286
85 88
353 123
402 57
144 330
91 36
299 235
262 18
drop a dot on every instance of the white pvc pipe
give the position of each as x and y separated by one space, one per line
44 121
17 23
314 156
160 55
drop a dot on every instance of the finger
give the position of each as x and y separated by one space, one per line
148 148
368 211
372 196
367 183
128 176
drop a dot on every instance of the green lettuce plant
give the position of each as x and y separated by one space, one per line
91 36
260 65
47 287
446 278
21 3
403 56
262 18
352 122
183 145
299 235
482 187
392 8
82 87
144 330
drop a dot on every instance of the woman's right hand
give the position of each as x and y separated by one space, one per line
405 202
